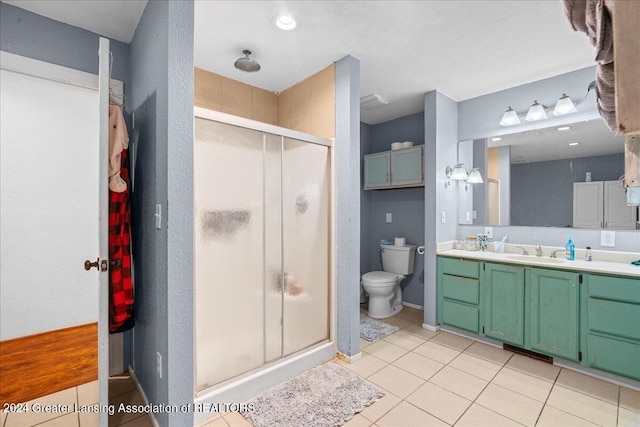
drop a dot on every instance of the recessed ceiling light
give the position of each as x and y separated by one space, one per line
574 143
564 128
497 138
286 22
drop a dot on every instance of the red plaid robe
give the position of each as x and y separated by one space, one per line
120 283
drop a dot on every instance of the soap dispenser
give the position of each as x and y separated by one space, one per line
570 249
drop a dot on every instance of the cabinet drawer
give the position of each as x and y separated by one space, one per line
616 288
614 356
461 288
460 267
615 318
460 315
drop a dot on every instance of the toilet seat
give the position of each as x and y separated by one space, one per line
379 278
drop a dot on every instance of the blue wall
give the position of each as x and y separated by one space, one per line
162 99
406 205
542 192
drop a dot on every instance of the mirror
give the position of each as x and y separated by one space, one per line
530 177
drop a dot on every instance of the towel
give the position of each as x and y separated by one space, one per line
575 11
633 196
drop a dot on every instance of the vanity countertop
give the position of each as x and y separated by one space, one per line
622 268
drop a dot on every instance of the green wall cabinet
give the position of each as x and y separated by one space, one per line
504 303
553 300
394 169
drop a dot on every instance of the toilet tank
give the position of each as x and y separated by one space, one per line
398 259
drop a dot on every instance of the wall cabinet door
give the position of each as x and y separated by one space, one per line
588 204
504 303
617 214
377 171
406 166
553 315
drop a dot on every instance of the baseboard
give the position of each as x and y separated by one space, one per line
48 362
134 378
408 304
349 359
431 328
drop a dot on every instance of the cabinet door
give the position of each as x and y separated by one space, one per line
406 166
376 170
554 316
588 204
616 212
504 303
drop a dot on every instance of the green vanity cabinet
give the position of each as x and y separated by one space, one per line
613 325
553 312
504 303
459 293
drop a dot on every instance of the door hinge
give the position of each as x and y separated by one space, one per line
580 279
580 356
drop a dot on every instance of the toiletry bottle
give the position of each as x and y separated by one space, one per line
588 256
570 249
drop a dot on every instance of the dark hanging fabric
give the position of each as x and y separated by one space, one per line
120 282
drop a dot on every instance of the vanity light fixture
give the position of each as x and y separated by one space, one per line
475 177
286 22
510 118
564 106
536 112
459 173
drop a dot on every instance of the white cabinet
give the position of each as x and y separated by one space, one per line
602 204
394 169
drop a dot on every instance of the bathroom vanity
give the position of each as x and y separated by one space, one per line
584 312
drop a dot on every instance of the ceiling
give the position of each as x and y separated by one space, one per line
463 49
540 145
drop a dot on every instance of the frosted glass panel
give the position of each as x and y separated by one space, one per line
305 210
228 223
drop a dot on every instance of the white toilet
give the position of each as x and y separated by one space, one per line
383 287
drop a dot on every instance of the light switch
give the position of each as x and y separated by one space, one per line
489 232
388 216
468 217
158 217
443 217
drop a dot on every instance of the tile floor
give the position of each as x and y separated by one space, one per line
121 390
429 379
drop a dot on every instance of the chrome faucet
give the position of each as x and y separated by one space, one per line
538 251
553 254
524 251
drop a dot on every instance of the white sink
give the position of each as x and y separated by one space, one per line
535 259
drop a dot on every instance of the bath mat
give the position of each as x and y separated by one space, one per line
325 396
373 330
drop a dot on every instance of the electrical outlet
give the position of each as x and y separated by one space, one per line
443 217
489 232
159 364
389 217
608 239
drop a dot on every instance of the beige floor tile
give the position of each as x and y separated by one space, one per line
386 351
364 344
88 419
365 366
357 421
439 402
583 406
527 385
396 321
479 416
407 415
459 382
411 314
453 341
3 416
88 393
234 419
489 352
510 404
404 340
537 368
143 421
437 352
630 399
69 420
585 384
552 417
218 422
130 398
417 329
475 366
376 410
397 381
65 398
627 418
120 384
418 365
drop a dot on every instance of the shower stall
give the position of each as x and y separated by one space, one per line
263 255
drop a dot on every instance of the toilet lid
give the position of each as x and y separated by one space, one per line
379 276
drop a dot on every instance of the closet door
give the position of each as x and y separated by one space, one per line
52 217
